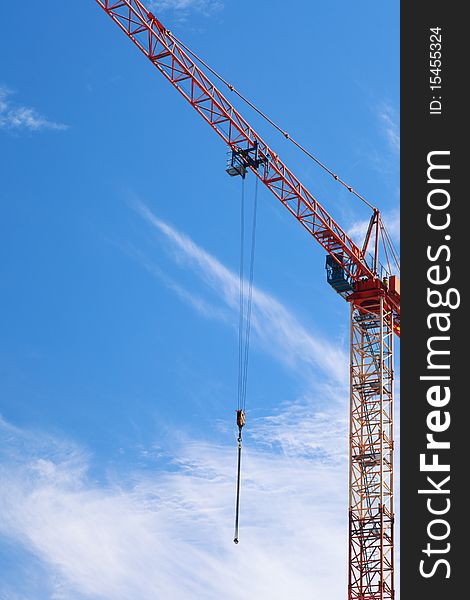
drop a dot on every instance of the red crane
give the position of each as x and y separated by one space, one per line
373 295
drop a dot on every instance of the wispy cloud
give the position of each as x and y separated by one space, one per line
14 116
170 535
389 122
298 429
391 219
182 7
277 330
204 307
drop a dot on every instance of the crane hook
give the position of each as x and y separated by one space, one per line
241 420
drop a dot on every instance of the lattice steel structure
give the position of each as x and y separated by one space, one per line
375 301
371 516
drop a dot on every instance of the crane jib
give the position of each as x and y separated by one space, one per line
171 59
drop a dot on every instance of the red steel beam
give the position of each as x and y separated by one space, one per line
170 58
157 43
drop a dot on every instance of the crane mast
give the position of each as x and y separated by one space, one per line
374 300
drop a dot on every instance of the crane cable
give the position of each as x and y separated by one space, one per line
241 299
244 331
250 299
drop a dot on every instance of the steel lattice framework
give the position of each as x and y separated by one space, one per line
371 513
170 58
375 304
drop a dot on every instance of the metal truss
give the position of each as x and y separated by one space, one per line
371 517
175 63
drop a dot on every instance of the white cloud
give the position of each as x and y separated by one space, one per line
16 117
299 429
201 305
169 535
389 121
391 220
277 330
182 7
357 231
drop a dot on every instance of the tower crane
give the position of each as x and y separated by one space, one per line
355 274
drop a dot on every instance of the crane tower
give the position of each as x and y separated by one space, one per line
372 292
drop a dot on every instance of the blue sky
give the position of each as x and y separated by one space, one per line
119 242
